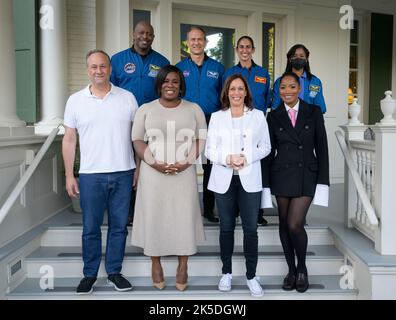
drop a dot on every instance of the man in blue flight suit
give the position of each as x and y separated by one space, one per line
135 69
203 77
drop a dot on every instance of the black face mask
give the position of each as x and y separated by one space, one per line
298 63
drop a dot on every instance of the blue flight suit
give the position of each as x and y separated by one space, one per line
312 93
203 84
137 74
258 80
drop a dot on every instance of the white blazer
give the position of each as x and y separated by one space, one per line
257 146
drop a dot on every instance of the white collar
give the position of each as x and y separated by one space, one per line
296 107
87 90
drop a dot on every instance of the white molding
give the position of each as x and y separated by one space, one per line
383 270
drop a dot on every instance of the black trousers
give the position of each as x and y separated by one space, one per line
247 203
208 196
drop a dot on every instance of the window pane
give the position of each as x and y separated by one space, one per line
220 46
353 57
139 15
355 32
353 84
269 48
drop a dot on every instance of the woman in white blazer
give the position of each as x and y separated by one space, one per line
238 139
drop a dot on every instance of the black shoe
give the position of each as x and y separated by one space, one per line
289 283
262 221
119 282
86 285
211 217
302 282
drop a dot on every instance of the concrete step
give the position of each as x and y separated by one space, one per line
70 236
67 262
321 287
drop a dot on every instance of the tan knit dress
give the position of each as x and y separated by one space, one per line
167 219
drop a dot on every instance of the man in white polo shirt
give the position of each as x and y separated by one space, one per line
102 114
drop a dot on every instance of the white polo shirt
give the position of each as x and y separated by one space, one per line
104 127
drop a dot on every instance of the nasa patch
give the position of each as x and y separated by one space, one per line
186 73
129 68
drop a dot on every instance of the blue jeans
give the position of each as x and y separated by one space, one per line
228 204
98 192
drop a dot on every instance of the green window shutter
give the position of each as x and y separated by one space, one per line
380 62
26 53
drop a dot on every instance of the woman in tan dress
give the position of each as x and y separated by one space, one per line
168 136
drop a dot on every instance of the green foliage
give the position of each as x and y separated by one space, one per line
217 52
271 49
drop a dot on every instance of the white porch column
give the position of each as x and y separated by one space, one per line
384 196
162 24
255 30
8 116
53 66
113 30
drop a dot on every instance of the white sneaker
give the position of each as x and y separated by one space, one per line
255 287
225 282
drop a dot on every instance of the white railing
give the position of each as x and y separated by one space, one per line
370 176
27 175
361 171
360 159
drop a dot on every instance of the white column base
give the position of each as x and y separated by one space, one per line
44 128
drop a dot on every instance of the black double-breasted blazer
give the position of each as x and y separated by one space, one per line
299 158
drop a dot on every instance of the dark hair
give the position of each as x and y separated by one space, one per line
290 74
197 28
163 73
225 100
248 38
290 54
91 52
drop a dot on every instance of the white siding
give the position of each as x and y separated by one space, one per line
81 37
394 60
317 27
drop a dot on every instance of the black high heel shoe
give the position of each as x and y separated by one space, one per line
302 283
289 283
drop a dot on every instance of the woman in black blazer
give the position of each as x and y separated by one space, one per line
297 172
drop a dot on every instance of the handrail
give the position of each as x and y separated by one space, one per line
27 175
356 179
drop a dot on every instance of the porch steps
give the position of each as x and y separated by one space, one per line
321 287
60 248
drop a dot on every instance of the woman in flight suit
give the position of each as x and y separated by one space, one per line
297 172
311 86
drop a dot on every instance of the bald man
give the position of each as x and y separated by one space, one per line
135 69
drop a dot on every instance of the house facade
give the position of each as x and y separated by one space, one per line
43 47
